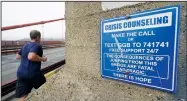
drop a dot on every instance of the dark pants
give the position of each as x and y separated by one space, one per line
25 85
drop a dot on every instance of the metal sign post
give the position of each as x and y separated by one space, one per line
42 33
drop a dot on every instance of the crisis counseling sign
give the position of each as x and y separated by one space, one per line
142 49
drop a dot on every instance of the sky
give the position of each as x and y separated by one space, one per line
14 13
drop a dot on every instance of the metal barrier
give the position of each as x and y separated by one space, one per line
10 44
29 24
15 50
11 86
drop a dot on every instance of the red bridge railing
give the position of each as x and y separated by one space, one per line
29 24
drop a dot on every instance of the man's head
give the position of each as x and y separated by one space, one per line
35 35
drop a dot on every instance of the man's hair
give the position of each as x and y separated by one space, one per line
34 34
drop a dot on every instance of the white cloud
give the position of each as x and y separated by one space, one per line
14 13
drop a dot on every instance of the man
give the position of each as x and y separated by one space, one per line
29 71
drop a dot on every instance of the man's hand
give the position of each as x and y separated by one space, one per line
18 56
44 59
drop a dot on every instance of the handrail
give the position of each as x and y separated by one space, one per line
17 49
29 24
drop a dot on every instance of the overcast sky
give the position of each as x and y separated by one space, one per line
14 13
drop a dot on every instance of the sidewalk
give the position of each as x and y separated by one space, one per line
71 85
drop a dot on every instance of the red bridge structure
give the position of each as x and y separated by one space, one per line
21 43
29 24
